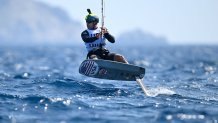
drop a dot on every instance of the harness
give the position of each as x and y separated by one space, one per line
100 52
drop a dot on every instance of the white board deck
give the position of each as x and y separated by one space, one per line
105 69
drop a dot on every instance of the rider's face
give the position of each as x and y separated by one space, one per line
92 25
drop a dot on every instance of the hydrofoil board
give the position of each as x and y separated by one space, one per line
112 70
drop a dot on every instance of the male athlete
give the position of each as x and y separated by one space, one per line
95 40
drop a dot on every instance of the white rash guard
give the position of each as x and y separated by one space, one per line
97 43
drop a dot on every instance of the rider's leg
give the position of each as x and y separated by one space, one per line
120 58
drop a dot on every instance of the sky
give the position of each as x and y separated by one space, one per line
180 21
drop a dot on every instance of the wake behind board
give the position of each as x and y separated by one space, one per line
105 69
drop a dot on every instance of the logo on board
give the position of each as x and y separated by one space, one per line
89 68
102 72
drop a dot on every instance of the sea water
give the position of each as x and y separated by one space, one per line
41 84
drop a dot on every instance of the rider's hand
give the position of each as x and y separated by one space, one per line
104 30
99 35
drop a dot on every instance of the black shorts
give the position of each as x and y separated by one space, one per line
102 54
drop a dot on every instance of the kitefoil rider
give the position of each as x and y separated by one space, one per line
95 37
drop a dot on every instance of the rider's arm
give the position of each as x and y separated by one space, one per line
86 38
109 37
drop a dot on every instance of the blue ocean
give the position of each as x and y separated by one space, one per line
41 84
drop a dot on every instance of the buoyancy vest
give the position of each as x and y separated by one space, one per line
99 43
